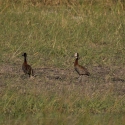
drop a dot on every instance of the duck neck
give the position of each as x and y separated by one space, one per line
25 61
76 62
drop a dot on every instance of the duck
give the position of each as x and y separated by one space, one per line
27 69
81 70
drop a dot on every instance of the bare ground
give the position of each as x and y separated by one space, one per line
102 80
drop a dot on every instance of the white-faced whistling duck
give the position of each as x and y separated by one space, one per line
80 69
27 69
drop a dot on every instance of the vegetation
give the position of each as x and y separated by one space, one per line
51 33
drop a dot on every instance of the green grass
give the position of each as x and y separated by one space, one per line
51 35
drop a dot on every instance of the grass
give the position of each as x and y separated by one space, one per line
51 35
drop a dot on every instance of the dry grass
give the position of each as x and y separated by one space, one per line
51 35
55 96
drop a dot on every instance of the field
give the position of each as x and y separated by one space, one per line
51 34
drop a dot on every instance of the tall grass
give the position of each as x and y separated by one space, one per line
52 32
51 35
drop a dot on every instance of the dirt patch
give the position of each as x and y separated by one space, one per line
101 79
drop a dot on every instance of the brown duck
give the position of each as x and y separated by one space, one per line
80 69
27 69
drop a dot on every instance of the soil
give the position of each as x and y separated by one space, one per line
102 78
